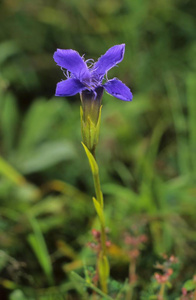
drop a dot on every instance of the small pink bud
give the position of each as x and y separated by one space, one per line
184 292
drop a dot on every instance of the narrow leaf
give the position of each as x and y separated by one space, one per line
39 247
92 161
99 210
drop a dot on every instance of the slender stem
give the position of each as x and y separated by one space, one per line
99 197
97 186
161 292
93 287
90 123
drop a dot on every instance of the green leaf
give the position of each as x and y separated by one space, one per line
7 49
98 126
45 156
191 91
4 258
38 123
190 285
80 280
99 210
8 171
9 121
92 161
37 242
104 268
17 295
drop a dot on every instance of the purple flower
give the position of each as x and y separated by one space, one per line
93 78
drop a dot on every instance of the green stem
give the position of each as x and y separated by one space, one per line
99 197
102 262
90 122
161 292
97 186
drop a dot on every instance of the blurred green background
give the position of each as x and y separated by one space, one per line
146 152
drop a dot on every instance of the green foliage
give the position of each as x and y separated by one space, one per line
146 151
38 245
190 285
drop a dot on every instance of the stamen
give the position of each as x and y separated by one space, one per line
91 61
95 95
106 76
94 69
66 73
